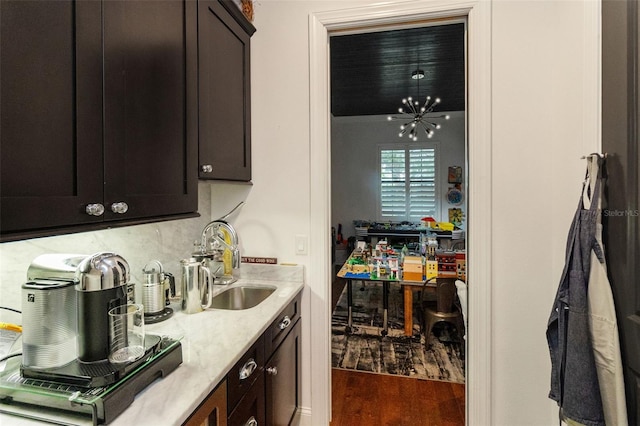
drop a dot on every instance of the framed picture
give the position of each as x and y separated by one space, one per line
455 174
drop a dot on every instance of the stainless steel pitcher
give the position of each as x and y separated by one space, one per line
197 286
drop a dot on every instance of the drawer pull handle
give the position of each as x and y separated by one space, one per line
206 168
272 370
251 422
286 322
247 369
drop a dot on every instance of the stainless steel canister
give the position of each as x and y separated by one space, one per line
153 287
49 323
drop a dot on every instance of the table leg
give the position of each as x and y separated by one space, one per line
349 305
408 310
385 307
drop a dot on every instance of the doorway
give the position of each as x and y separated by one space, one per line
479 242
373 72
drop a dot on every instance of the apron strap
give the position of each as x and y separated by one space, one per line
592 186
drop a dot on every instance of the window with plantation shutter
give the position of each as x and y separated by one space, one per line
407 183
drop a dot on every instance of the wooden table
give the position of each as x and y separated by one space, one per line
347 273
408 287
385 299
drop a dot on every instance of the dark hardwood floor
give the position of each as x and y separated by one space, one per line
360 398
369 399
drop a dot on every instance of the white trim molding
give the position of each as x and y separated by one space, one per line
366 19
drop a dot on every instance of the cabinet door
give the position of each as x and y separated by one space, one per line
282 380
224 94
51 121
150 108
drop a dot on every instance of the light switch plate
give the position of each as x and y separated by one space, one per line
302 242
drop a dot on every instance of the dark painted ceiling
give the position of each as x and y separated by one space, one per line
371 73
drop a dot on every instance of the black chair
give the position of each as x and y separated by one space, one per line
445 309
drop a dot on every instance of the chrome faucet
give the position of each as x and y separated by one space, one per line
213 245
213 241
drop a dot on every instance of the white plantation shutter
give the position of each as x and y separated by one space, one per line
407 183
422 184
393 198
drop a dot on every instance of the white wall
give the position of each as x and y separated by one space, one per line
542 102
354 164
541 94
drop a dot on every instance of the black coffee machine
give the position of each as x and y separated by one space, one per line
101 284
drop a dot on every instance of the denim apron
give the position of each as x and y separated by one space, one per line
574 379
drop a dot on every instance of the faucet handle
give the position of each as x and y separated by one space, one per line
235 259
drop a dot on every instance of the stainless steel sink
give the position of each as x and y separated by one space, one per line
241 297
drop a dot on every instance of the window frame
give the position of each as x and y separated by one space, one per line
435 145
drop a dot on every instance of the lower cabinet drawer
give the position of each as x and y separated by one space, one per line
250 411
245 373
282 325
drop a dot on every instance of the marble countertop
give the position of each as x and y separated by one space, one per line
213 341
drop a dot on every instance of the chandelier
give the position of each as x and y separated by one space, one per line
416 116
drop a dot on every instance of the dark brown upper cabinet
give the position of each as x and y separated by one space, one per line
224 108
99 114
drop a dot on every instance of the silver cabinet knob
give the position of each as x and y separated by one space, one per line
206 168
272 370
96 209
251 422
119 208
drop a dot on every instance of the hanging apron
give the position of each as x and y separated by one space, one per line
602 316
574 379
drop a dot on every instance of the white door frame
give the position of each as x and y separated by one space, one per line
479 342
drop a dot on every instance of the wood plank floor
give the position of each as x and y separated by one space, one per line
360 398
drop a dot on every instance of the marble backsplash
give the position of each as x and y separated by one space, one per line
167 242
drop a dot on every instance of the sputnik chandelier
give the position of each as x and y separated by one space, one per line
416 116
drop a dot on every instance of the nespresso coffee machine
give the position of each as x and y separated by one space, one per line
65 340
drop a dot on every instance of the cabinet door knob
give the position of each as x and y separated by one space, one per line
119 208
247 369
251 422
96 209
272 370
286 322
206 168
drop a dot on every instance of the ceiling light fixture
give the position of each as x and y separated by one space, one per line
417 75
417 116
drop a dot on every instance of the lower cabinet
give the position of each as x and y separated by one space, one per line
263 387
213 411
282 380
250 409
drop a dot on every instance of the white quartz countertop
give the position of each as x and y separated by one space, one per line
212 342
